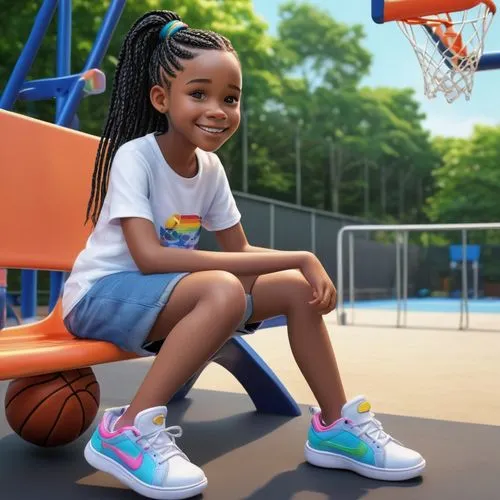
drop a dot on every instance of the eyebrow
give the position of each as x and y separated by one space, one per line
208 80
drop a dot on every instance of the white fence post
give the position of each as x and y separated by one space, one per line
313 232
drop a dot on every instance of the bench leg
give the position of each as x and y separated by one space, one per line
265 389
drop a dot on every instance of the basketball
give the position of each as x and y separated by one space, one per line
53 409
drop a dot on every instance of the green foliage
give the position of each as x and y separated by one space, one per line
330 53
468 180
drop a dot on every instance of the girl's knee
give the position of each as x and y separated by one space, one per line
296 288
225 293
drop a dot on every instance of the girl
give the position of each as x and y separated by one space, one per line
141 284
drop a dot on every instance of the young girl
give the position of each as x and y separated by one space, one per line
141 284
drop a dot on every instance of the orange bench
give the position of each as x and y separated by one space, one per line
44 188
46 173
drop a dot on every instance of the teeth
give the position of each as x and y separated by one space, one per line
212 130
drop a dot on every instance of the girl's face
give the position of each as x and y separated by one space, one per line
203 102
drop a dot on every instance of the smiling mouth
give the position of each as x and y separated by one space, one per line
212 130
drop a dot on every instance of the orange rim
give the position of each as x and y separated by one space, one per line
428 22
416 11
491 5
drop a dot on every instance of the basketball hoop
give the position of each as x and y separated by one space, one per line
448 45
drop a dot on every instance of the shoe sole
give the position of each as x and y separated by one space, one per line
106 464
333 461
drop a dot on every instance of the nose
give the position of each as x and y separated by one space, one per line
215 112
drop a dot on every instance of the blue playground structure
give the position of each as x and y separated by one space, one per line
68 90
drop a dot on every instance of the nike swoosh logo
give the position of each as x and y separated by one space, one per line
358 451
133 463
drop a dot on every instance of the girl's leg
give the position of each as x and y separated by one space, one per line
202 313
356 442
288 293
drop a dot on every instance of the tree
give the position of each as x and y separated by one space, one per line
400 148
317 69
326 52
468 180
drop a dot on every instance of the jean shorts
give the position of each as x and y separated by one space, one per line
122 308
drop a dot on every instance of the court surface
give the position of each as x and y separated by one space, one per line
435 390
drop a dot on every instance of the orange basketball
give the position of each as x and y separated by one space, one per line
53 409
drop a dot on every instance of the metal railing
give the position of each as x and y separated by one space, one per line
402 231
274 205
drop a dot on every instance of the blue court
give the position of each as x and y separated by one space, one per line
431 305
435 304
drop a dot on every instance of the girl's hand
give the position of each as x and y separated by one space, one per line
324 292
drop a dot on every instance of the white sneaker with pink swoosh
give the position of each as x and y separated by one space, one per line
145 456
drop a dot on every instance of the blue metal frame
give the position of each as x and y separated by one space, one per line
28 54
63 69
48 88
378 11
489 61
3 297
66 88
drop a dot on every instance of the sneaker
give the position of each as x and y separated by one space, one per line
357 442
144 456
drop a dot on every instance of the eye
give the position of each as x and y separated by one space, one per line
197 94
231 99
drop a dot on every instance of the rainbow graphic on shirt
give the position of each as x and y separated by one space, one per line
181 231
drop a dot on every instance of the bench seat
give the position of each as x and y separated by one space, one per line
46 347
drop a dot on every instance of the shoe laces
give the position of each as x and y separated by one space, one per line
162 443
373 430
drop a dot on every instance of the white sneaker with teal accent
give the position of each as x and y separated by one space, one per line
357 442
145 456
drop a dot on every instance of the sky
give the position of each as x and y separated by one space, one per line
395 64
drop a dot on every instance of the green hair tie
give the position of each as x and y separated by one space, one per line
171 28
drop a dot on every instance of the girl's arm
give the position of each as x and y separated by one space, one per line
151 257
234 239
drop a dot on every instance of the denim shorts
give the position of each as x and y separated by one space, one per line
122 308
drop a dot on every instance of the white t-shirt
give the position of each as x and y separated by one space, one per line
142 184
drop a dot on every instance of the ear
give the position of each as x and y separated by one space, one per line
159 98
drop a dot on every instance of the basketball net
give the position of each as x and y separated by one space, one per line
448 47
